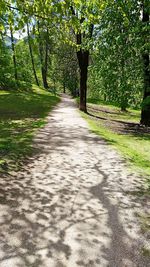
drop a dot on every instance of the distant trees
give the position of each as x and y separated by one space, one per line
111 35
43 42
6 68
67 67
117 61
120 61
31 54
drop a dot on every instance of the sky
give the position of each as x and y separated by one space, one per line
18 34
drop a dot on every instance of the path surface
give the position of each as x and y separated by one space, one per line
71 205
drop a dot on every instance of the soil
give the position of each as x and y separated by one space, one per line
74 204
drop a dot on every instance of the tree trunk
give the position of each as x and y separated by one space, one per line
83 60
83 81
46 58
14 54
145 113
64 88
31 55
44 77
123 107
43 63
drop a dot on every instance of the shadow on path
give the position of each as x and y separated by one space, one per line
69 206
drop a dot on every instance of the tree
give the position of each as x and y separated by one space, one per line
43 51
76 15
83 35
67 67
145 114
112 31
31 55
117 57
11 16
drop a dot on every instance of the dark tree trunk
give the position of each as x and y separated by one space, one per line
14 54
123 108
105 97
44 77
64 88
145 113
83 60
46 60
43 62
31 55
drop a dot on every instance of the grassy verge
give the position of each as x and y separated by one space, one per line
134 147
111 112
134 144
21 113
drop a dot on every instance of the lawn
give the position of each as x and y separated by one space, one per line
122 130
21 113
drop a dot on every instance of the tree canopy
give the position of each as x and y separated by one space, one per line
100 47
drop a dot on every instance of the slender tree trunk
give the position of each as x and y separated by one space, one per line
31 55
46 59
14 54
64 88
145 113
43 62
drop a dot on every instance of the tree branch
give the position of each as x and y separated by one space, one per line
25 11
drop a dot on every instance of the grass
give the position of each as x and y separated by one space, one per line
116 114
21 113
114 105
135 148
146 252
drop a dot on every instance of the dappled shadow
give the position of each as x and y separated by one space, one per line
121 243
69 206
27 105
20 115
96 116
122 126
98 108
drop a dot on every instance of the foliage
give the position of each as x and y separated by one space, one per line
66 67
117 64
23 61
6 68
115 33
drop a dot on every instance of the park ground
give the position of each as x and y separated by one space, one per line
68 198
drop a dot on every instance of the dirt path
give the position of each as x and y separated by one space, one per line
71 205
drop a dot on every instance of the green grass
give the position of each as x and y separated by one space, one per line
135 148
21 113
115 113
114 105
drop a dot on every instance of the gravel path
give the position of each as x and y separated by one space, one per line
71 206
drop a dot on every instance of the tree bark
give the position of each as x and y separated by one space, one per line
14 54
83 59
31 55
145 113
46 58
64 88
43 62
